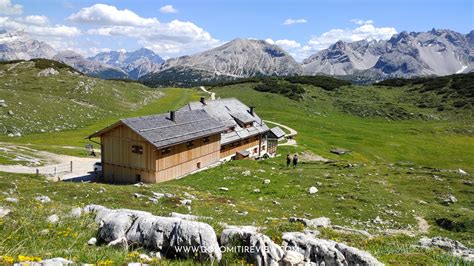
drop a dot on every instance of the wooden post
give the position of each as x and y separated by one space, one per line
71 166
37 172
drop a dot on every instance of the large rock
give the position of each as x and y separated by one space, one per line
173 236
326 252
452 246
4 212
316 222
48 72
259 249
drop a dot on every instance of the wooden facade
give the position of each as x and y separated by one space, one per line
128 158
231 149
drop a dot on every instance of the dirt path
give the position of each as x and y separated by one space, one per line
213 94
54 165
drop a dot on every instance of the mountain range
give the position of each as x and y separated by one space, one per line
407 54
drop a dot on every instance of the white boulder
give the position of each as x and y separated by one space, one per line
53 219
312 190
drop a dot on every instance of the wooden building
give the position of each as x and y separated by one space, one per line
245 132
158 148
273 136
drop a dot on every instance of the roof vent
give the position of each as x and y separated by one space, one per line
173 116
252 110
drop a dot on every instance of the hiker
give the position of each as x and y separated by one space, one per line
288 160
93 153
295 161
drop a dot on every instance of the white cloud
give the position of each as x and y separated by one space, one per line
38 26
291 21
7 8
167 39
361 21
36 20
168 9
101 14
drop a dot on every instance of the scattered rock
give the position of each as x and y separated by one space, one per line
461 172
292 258
10 112
266 181
53 219
76 212
138 195
12 200
317 222
139 184
48 72
92 241
187 195
55 262
326 252
377 220
122 226
246 173
223 189
468 182
157 195
257 190
312 190
43 199
339 151
261 249
422 202
276 202
452 246
4 212
450 200
186 202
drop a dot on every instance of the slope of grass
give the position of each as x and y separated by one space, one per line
349 196
63 101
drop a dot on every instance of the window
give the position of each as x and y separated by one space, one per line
230 129
247 125
246 141
255 150
138 178
223 147
263 147
190 144
165 150
206 140
137 149
198 165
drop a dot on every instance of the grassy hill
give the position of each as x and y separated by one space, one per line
63 100
402 165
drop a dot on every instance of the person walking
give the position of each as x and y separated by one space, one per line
295 160
288 160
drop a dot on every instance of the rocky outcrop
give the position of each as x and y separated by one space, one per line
259 249
174 237
327 252
48 72
314 223
452 246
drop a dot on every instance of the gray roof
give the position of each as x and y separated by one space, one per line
160 131
278 132
227 111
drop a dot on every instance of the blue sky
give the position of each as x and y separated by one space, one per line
177 27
